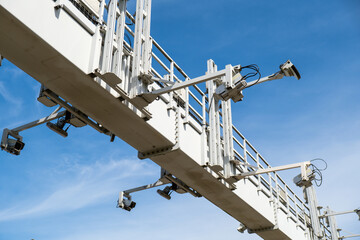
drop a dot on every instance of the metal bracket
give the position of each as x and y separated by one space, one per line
264 229
113 80
109 77
74 111
157 152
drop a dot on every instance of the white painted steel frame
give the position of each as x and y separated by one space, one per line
268 192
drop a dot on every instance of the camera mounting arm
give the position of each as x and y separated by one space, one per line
303 165
225 92
14 145
231 83
125 200
147 98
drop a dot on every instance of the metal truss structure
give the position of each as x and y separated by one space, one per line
122 83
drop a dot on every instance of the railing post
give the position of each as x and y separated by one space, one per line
136 84
229 167
245 156
97 41
287 201
171 94
204 142
147 45
332 223
314 216
214 131
258 176
120 32
109 37
186 120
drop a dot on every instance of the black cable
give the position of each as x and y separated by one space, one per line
256 71
317 171
320 159
211 100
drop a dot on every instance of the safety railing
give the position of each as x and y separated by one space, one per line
194 102
196 111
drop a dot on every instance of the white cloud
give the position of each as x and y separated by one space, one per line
89 185
6 95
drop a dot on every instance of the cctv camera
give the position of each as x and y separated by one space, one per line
13 146
289 70
165 193
127 204
242 228
357 211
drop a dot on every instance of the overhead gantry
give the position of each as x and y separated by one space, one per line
113 76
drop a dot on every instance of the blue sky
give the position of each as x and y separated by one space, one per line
67 188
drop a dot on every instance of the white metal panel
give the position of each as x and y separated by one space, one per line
56 27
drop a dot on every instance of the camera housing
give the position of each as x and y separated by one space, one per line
289 70
125 203
12 145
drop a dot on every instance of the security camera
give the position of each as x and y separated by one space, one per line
289 70
125 203
357 211
242 228
165 193
11 145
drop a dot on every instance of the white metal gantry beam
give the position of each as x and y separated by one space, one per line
62 65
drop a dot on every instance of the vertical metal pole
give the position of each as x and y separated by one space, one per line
203 134
147 45
97 41
127 73
120 32
258 176
296 210
287 201
214 131
271 188
109 37
314 216
229 168
332 223
135 83
171 94
186 104
245 156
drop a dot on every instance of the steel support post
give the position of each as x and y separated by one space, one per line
97 41
204 138
119 62
109 38
332 224
229 167
135 84
171 79
216 162
147 44
127 73
141 65
313 209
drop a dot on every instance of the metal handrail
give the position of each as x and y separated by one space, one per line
295 206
